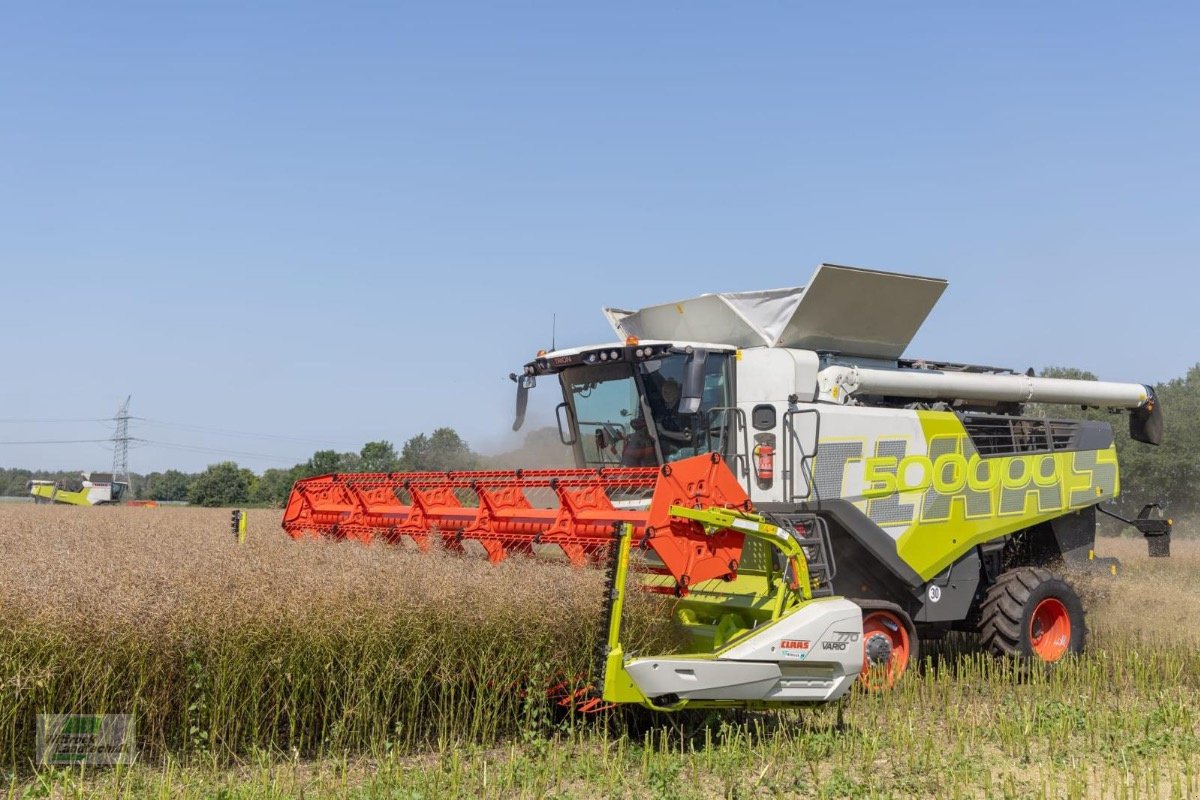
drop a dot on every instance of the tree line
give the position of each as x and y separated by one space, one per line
227 484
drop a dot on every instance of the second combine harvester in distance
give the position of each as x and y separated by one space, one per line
816 502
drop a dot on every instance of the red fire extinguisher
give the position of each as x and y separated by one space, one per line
764 462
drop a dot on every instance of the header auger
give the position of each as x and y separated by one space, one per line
769 454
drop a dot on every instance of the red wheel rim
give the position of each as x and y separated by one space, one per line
886 624
1050 629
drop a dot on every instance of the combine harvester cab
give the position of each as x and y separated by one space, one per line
774 452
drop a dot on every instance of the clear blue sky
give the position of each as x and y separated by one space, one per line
350 221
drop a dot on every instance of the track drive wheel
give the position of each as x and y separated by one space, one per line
1031 613
889 645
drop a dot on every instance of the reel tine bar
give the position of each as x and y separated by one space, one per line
573 509
489 507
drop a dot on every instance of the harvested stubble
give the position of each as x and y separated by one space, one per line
286 646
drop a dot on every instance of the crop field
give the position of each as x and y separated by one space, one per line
318 669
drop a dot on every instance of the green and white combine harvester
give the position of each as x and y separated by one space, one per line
94 489
815 502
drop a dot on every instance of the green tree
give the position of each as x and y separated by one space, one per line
223 484
13 482
324 462
274 485
169 485
444 449
378 457
1171 471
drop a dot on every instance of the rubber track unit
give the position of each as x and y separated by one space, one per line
1008 604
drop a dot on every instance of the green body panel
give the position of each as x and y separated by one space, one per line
961 500
61 496
618 686
716 613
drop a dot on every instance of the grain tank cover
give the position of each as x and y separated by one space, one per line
854 311
741 319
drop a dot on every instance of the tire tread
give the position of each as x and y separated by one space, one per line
1005 605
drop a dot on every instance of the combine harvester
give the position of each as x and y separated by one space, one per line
95 489
816 502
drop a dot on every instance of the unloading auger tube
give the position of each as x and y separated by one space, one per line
841 384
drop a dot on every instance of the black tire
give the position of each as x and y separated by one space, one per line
1007 625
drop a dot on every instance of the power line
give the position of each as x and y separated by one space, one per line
39 420
59 441
120 441
133 440
250 434
215 450
167 424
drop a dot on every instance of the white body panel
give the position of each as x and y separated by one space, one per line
813 655
771 374
99 492
95 493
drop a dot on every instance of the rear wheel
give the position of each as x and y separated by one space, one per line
889 645
1031 613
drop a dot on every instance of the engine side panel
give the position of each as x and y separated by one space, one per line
919 477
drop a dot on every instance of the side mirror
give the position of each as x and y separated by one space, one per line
693 383
524 384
